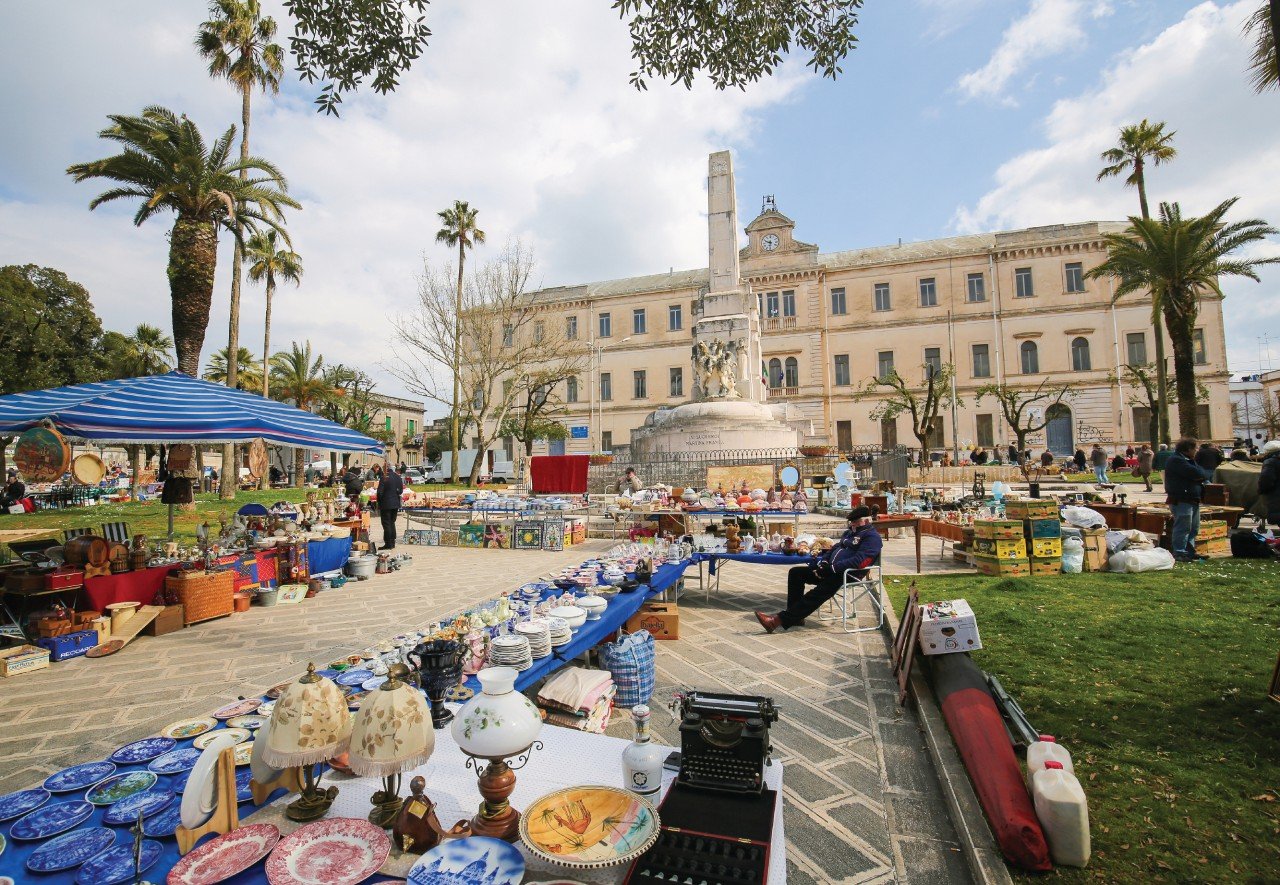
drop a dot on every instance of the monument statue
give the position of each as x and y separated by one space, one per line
715 367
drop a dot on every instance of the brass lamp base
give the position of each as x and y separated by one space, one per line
313 802
386 803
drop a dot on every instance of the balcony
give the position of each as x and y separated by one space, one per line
782 392
779 324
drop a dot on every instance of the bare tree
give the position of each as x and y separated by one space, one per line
1142 385
1025 410
924 402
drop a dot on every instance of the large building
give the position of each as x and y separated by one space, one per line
1010 307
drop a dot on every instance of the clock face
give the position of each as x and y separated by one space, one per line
770 242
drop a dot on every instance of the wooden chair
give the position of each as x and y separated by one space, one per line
116 532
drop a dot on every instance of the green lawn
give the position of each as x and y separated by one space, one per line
1124 477
1157 685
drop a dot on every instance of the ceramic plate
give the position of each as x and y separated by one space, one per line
221 858
164 823
239 734
116 864
499 863
258 767
589 826
70 849
251 721
244 753
51 820
275 691
243 793
338 851
148 802
238 708
355 699
189 728
353 677
19 803
198 794
77 777
175 761
265 708
143 751
121 786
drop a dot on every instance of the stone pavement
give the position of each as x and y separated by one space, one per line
861 800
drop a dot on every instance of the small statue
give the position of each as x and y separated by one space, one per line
417 829
733 544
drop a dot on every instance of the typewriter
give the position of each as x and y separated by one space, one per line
724 741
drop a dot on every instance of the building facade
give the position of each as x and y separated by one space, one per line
1012 307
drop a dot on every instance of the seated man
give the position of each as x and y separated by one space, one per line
14 491
857 549
630 483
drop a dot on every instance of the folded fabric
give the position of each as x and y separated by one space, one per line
570 688
595 722
588 701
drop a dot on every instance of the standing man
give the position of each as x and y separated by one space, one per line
1184 483
390 492
1098 458
1269 480
1208 459
1143 470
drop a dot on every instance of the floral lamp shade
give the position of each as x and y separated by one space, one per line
392 731
500 721
309 724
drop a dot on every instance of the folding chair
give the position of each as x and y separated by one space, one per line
68 534
116 532
870 586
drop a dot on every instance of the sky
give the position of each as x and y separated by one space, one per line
950 116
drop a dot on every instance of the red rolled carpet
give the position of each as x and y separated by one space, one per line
559 474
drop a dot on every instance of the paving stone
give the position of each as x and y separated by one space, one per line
809 785
797 876
913 816
927 862
865 821
858 776
836 858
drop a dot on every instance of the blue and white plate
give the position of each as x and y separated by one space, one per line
121 786
353 677
499 860
143 751
374 683
116 864
328 673
51 820
178 782
77 777
164 823
70 849
126 810
243 793
175 761
19 803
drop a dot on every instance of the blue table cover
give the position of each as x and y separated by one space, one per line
329 555
758 558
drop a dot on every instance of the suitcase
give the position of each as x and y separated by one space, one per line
72 645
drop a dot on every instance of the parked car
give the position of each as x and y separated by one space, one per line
414 476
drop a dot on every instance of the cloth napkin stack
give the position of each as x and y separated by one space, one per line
578 698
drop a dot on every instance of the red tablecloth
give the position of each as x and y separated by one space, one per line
559 474
140 587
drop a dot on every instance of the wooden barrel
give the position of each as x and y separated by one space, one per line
87 550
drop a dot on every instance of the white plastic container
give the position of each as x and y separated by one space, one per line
1064 814
1044 750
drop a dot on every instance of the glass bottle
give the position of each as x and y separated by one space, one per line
642 759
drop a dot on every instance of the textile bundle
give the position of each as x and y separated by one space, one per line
578 698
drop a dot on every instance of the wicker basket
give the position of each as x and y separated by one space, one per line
202 595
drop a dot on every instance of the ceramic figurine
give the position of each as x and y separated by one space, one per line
417 829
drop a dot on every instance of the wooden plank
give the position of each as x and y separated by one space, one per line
141 618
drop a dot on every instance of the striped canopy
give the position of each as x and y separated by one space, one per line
174 408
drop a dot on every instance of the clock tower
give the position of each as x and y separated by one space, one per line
771 234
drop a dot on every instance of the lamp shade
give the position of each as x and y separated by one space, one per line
500 721
392 732
309 724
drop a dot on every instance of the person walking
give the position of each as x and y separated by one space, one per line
1269 480
1145 456
1082 462
1184 484
389 496
1098 458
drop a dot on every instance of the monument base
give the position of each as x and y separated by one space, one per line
712 426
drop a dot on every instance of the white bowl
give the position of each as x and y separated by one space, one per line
571 614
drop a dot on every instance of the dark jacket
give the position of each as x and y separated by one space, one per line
1161 458
1269 485
1183 480
353 485
1145 457
390 488
1097 457
855 550
1208 459
1081 461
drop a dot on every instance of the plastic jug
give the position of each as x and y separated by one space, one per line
1044 750
1064 814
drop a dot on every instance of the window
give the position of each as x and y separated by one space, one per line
477 400
539 331
1022 285
606 441
888 433
977 287
844 435
412 426
1030 358
771 304
1075 277
935 437
842 369
880 294
1080 355
639 384
1142 424
1201 356
884 363
928 292
775 372
387 426
932 361
677 381
571 328
792 372
606 386
789 303
986 431
637 321
571 389
838 307
675 318
1136 348
606 326
508 335
982 360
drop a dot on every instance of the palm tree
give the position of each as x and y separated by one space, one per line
248 380
149 351
167 165
1264 66
1179 260
270 260
299 378
458 228
1139 144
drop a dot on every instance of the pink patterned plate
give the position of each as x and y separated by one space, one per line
219 859
337 851
237 708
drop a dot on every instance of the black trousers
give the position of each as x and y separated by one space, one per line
801 604
388 518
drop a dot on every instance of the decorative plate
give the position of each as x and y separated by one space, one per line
373 683
588 827
243 777
107 648
143 751
19 803
337 851
353 677
238 708
164 823
355 699
148 802
121 786
275 691
265 708
115 865
221 858
70 849
239 734
189 728
175 761
244 753
251 721
77 777
51 820
499 863
198 794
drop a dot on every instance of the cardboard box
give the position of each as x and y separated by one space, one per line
22 659
1046 548
1030 508
1049 566
1211 530
168 621
73 645
1006 529
1000 548
1095 549
662 619
948 627
1215 548
1004 568
1042 528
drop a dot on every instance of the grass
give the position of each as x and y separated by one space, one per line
1122 477
1157 685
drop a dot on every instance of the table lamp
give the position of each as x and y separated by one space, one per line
498 724
310 724
392 733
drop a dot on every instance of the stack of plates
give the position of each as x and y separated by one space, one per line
538 635
560 632
511 651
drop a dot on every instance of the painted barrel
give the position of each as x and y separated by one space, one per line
87 550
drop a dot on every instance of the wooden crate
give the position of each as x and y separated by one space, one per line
168 621
23 659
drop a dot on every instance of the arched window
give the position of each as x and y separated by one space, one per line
775 372
1080 355
1030 358
792 372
